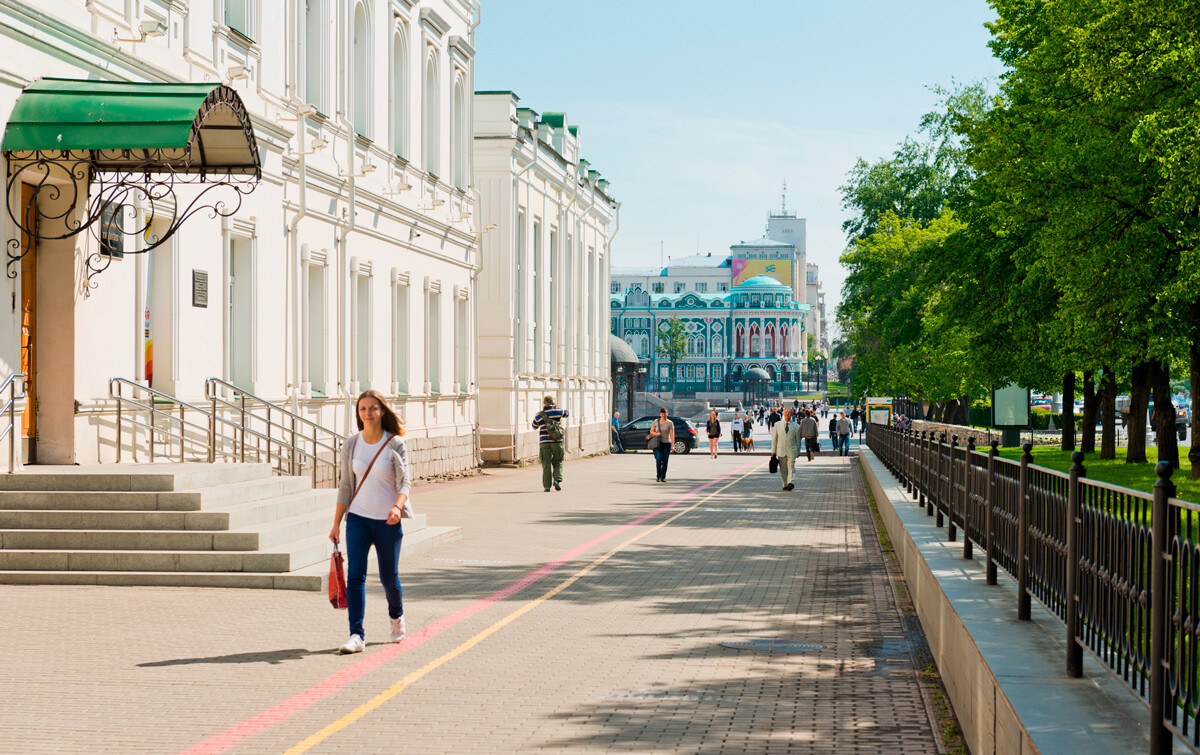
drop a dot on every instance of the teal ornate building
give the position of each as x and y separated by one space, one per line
756 324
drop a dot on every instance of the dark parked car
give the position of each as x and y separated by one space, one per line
634 433
1183 419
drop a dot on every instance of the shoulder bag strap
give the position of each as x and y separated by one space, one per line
368 472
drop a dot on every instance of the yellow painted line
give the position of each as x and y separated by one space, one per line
306 744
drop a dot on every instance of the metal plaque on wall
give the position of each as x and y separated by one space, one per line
200 288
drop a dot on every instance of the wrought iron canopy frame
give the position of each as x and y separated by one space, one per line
132 192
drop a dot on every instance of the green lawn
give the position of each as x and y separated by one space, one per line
1136 476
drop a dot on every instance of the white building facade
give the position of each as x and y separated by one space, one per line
549 221
351 264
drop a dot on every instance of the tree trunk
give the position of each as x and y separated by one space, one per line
1194 372
964 411
950 412
1068 412
930 413
1139 402
1164 413
1088 442
1108 415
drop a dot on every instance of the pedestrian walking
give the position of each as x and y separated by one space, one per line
373 498
854 417
843 434
661 438
808 431
748 434
772 418
785 447
714 433
616 433
735 431
833 433
550 442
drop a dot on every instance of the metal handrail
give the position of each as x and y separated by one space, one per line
284 439
10 409
144 399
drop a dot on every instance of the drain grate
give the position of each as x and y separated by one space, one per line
772 646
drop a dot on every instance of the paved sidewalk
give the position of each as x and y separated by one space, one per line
625 658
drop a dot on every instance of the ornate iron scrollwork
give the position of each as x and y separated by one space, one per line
128 193
144 201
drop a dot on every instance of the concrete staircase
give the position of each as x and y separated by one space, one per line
187 525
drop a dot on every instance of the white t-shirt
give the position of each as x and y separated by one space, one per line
737 425
378 493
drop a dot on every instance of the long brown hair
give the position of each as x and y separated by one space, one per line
391 422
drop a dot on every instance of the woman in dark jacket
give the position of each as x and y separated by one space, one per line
714 433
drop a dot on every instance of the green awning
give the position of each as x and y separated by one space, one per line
186 128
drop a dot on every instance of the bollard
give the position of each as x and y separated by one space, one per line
1161 740
968 547
937 482
951 506
1023 605
989 518
1071 588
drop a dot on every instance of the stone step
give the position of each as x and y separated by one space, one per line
209 497
252 538
233 517
131 477
259 580
283 558
312 578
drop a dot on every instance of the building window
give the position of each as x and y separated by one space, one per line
360 72
361 325
770 301
755 300
679 287
400 321
755 340
722 288
702 288
399 94
314 49
462 324
429 121
239 16
717 371
615 288
657 288
433 345
769 341
458 149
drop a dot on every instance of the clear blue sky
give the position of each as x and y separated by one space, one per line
698 111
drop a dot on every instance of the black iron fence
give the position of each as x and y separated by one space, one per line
1120 569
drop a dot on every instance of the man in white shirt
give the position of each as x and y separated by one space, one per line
785 447
735 431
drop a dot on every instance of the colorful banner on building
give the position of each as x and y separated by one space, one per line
780 270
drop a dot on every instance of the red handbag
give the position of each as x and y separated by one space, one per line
337 581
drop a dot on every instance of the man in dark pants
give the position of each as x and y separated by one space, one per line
735 431
551 447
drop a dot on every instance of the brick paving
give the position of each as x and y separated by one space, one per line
626 659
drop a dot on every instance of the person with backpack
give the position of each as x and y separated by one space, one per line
660 440
550 442
373 498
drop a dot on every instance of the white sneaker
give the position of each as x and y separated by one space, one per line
355 644
398 629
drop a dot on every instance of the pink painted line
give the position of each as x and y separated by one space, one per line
284 710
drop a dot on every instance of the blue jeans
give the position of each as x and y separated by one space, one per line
662 455
844 445
361 534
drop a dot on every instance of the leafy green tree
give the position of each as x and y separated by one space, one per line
672 344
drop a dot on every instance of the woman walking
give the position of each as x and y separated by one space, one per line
662 437
373 498
714 433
